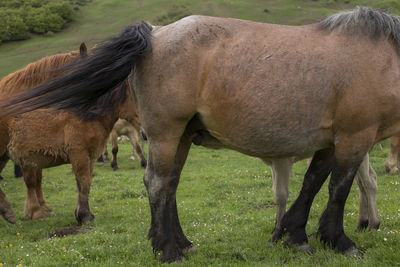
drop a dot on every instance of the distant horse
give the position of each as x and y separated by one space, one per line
269 91
392 165
124 127
45 138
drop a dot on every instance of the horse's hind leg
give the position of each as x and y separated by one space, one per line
6 210
392 161
39 192
366 181
114 149
82 167
133 137
33 209
167 156
281 170
294 221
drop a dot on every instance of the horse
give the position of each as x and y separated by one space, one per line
265 90
124 127
44 138
392 162
366 179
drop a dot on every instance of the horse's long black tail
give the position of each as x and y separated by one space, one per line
90 78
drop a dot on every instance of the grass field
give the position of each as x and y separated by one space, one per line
226 208
225 199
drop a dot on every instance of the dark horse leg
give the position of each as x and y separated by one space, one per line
295 219
161 180
82 167
17 171
114 150
343 163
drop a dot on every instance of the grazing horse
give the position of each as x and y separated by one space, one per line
44 138
392 165
268 91
124 127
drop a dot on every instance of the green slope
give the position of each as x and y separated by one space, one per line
104 18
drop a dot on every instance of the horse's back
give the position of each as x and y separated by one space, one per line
266 90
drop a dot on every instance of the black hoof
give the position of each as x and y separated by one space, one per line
303 247
1 178
143 163
362 225
352 251
84 218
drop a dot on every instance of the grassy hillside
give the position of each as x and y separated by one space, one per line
104 18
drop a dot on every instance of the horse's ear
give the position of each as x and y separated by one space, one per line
83 50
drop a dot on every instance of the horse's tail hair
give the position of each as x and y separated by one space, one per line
87 80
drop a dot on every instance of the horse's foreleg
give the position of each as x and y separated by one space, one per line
366 181
133 137
114 149
281 170
39 192
32 205
166 159
6 210
349 153
82 167
294 221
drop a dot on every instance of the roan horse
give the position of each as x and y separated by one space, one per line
269 91
124 127
45 138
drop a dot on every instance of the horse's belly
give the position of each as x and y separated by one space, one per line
39 159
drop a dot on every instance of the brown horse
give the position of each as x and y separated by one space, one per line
124 127
45 138
269 91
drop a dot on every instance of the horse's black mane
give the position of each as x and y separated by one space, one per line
373 23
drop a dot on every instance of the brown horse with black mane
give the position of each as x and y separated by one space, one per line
269 91
46 138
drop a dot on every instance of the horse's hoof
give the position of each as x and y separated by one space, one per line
143 164
84 219
1 178
304 247
189 250
352 251
362 225
9 216
115 169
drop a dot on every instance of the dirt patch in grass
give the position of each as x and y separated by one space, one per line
72 230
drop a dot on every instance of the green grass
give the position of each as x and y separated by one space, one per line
225 199
226 208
